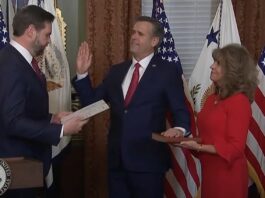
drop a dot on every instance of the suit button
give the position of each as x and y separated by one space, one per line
125 111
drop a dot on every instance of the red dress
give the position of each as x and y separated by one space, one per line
224 124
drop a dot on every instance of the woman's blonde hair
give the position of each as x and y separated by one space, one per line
240 72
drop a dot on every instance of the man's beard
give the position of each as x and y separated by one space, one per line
38 49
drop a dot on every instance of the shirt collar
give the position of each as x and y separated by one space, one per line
22 50
144 62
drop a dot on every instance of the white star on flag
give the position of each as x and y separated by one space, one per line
4 36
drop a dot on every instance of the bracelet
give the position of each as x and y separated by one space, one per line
199 148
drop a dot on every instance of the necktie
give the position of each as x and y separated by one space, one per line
133 84
37 70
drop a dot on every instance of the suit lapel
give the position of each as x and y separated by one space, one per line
148 77
120 77
27 66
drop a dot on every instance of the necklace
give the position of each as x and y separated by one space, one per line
216 100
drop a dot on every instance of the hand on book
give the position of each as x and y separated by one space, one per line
172 133
173 140
190 144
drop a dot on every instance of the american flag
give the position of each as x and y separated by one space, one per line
4 36
255 149
167 48
183 179
261 63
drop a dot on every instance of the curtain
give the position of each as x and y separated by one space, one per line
108 27
250 15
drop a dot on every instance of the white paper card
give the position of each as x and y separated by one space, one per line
88 111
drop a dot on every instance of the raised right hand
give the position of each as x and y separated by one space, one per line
83 59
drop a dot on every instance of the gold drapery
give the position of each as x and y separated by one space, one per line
108 27
250 15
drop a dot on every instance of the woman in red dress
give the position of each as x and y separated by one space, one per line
223 124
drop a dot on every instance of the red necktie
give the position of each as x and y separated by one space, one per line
133 84
37 70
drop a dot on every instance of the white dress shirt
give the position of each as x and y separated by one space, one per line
22 50
127 80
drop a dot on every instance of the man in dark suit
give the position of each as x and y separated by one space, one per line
27 129
137 164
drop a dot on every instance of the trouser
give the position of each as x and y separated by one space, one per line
129 184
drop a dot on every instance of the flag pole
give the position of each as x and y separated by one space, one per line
55 3
220 22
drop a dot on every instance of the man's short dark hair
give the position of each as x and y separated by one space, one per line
30 15
157 27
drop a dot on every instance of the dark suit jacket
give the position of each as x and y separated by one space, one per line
129 141
25 128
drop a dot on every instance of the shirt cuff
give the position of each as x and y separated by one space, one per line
185 133
81 76
61 134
